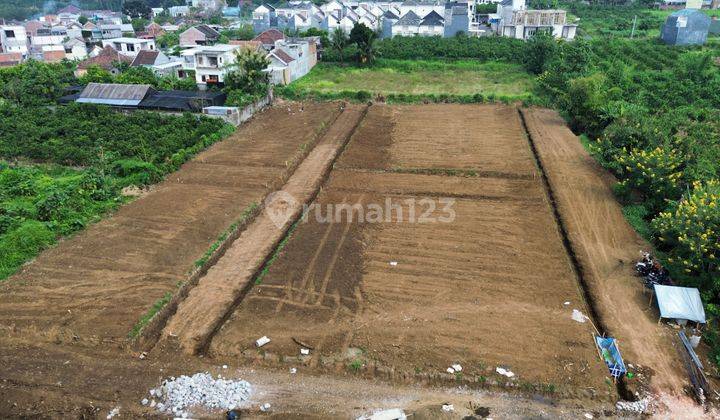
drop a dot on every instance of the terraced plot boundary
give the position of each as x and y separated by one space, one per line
209 303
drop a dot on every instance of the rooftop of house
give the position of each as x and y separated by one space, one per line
53 56
125 40
105 59
207 31
432 19
282 56
217 48
145 58
269 36
409 19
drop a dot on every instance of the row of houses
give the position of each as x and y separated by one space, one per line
206 62
415 18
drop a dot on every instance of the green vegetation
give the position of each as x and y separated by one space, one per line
223 236
64 167
416 80
157 306
606 21
247 81
652 112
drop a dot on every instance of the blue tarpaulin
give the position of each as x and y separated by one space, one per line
611 355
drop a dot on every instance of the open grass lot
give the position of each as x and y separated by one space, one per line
419 78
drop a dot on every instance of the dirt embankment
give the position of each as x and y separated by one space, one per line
93 287
606 247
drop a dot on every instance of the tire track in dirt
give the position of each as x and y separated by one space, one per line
209 304
604 247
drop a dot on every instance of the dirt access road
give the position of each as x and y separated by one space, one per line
606 247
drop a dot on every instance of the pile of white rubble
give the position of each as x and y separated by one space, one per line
200 390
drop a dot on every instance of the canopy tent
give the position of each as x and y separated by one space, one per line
610 353
680 303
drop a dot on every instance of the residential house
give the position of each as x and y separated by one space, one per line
10 59
75 49
458 19
210 63
291 59
432 25
407 25
147 58
130 46
199 35
177 11
13 39
154 30
107 59
514 20
269 38
53 53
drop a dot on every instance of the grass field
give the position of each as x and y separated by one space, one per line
419 78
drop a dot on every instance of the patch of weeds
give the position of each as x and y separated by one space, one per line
458 376
481 379
157 306
356 365
417 370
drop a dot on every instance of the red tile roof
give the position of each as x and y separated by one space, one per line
269 37
105 59
10 59
282 55
145 58
53 56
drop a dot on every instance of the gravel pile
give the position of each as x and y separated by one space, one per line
176 395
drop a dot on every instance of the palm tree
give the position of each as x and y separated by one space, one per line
338 41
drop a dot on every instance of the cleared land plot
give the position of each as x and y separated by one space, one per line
485 290
97 284
420 78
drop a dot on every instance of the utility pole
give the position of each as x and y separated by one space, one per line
632 33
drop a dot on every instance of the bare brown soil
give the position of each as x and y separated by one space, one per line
95 286
606 246
209 302
485 290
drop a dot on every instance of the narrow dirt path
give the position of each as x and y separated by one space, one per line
605 246
210 302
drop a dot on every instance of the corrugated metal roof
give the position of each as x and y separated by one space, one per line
114 94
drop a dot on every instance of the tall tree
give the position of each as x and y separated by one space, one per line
364 38
338 41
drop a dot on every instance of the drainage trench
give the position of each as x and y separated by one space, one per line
577 268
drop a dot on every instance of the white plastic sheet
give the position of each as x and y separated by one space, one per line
680 303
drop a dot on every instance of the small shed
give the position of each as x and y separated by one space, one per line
182 101
114 94
686 27
682 303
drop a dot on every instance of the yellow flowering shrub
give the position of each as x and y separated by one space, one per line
692 228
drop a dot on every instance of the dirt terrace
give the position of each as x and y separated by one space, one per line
485 290
95 286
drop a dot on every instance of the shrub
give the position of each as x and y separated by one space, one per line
23 243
